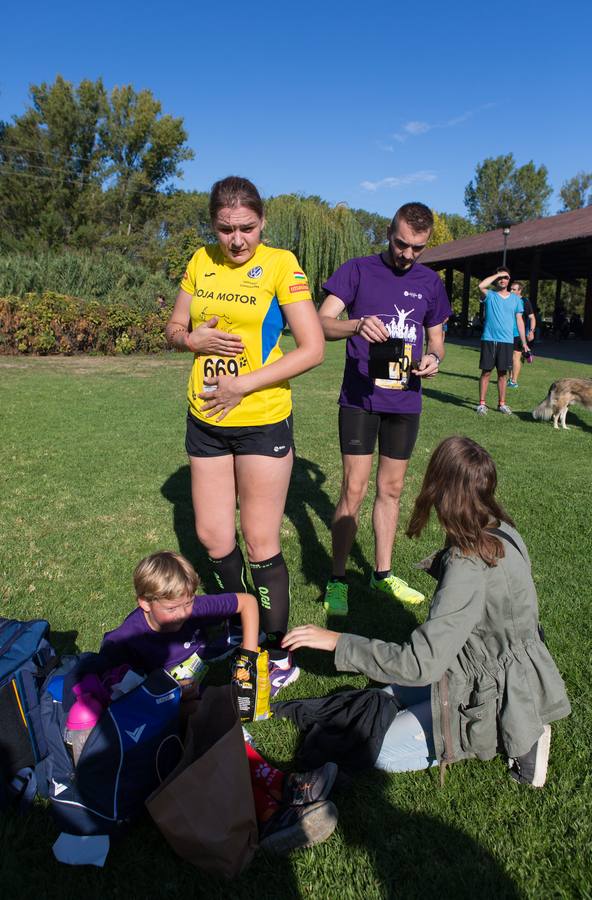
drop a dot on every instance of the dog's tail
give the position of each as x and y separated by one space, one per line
545 409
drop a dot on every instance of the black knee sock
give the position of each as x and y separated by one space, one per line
272 584
230 575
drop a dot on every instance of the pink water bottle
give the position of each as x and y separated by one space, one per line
82 718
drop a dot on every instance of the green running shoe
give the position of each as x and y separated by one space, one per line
397 588
335 601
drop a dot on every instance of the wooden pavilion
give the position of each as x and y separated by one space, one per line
557 248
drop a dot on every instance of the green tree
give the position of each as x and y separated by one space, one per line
51 167
501 191
374 227
441 233
143 151
322 237
575 192
80 167
458 225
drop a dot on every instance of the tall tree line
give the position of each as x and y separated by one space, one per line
87 169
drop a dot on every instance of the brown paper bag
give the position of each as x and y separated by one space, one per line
205 808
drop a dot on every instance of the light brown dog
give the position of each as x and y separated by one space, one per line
561 395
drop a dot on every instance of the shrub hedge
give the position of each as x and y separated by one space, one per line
106 277
50 323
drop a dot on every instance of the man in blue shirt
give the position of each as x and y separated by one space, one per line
503 312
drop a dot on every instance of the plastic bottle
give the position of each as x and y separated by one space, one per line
82 718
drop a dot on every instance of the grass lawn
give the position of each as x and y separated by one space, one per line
94 476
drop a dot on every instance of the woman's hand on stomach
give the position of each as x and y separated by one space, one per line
228 391
208 339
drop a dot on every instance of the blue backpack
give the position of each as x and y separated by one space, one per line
26 658
134 746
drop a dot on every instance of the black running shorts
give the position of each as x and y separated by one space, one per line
205 440
396 432
496 355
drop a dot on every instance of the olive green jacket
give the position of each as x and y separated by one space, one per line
494 683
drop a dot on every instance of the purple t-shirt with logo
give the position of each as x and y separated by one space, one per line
406 303
134 642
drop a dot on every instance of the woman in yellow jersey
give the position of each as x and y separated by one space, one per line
230 313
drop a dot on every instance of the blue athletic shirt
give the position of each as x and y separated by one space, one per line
500 317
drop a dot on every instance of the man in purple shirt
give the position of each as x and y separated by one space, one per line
390 301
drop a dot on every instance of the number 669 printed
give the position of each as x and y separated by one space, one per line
214 367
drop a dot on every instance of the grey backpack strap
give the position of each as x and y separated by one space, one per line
506 537
510 540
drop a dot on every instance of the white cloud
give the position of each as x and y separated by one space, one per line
415 128
395 181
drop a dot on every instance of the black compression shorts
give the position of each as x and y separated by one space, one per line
205 440
396 432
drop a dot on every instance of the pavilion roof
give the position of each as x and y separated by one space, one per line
562 242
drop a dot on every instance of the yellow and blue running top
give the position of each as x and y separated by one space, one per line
248 300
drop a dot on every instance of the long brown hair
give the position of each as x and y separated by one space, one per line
460 483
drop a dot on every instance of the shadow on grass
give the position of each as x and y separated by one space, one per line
401 854
448 374
306 494
572 419
64 642
177 490
414 855
371 615
445 397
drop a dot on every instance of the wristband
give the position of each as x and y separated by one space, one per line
435 355
359 325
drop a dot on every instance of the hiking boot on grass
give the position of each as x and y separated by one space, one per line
292 827
302 788
397 588
335 601
532 767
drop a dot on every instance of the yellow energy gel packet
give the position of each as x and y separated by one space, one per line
250 675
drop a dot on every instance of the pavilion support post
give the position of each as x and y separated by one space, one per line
587 329
534 278
449 283
558 286
464 315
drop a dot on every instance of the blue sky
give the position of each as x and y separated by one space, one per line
373 107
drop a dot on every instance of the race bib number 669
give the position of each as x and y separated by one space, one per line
214 366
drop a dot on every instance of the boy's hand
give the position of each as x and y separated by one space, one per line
189 690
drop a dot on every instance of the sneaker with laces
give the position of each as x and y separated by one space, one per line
302 788
512 384
532 767
335 601
481 409
397 588
505 409
292 827
282 674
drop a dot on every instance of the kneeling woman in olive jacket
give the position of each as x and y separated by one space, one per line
476 678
